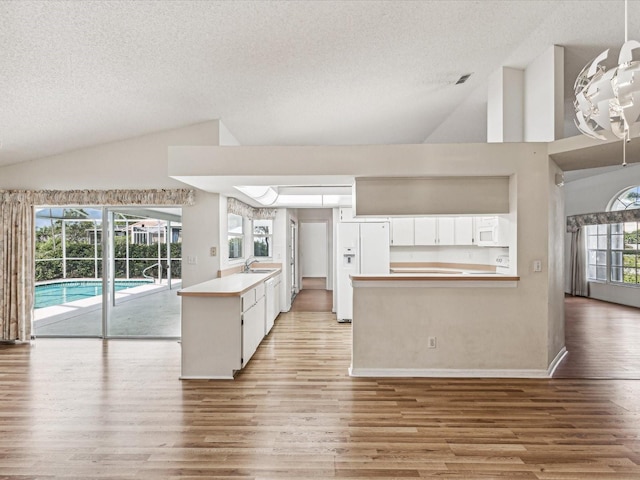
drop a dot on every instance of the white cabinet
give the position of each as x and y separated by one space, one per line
402 231
425 231
432 231
253 317
446 231
276 295
272 298
463 231
435 231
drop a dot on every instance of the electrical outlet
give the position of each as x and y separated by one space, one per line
432 342
537 265
213 251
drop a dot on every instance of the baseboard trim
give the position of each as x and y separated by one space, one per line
205 377
556 361
447 372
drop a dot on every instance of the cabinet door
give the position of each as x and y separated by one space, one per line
402 231
464 231
252 329
426 231
446 230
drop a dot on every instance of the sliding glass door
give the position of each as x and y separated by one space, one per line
107 272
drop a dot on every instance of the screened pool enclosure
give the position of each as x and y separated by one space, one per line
90 260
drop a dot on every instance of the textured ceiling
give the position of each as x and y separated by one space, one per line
80 73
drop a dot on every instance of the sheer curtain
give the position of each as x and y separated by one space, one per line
16 266
579 284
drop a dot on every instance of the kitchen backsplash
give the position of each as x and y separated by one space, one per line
461 254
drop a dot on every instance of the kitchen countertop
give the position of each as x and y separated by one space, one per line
231 286
433 279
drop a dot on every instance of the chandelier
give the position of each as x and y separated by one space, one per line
609 99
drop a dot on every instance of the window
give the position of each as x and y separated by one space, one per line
235 232
262 238
613 250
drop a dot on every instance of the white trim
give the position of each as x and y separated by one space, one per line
446 372
206 377
556 361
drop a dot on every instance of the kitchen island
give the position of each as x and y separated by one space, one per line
444 325
223 322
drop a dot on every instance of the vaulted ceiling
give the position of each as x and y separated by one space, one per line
81 73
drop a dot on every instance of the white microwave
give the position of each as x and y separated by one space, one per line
491 232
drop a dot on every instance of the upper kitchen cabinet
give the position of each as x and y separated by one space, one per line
402 232
464 231
425 231
435 231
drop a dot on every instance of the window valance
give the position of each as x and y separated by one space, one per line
574 222
237 207
100 197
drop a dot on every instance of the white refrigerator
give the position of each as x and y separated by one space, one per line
363 248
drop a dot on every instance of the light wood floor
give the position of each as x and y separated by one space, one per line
313 297
603 340
87 409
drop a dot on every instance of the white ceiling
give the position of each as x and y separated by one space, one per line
80 73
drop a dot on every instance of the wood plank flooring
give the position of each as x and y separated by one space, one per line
603 340
313 297
88 409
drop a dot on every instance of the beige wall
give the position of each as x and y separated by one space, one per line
137 163
555 264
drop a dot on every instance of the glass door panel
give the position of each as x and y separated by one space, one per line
145 246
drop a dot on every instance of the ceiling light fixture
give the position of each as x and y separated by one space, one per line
610 99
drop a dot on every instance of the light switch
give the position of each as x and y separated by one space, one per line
213 251
537 265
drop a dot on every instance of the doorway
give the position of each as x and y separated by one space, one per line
314 295
107 272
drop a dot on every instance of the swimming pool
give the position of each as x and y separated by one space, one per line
64 292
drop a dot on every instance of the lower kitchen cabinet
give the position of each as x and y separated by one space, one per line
222 329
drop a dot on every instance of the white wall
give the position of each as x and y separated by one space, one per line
135 163
544 97
505 106
593 194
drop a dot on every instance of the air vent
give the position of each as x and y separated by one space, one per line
463 78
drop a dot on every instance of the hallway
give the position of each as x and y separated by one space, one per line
313 297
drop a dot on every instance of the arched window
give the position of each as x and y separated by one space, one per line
629 198
614 249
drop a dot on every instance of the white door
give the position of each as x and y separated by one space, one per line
313 249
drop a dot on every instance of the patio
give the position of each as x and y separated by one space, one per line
145 311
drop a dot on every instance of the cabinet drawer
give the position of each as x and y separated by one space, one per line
248 299
259 291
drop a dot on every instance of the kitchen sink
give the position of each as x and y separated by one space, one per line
260 270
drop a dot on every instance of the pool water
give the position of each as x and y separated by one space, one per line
64 292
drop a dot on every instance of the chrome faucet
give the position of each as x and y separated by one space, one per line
248 263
